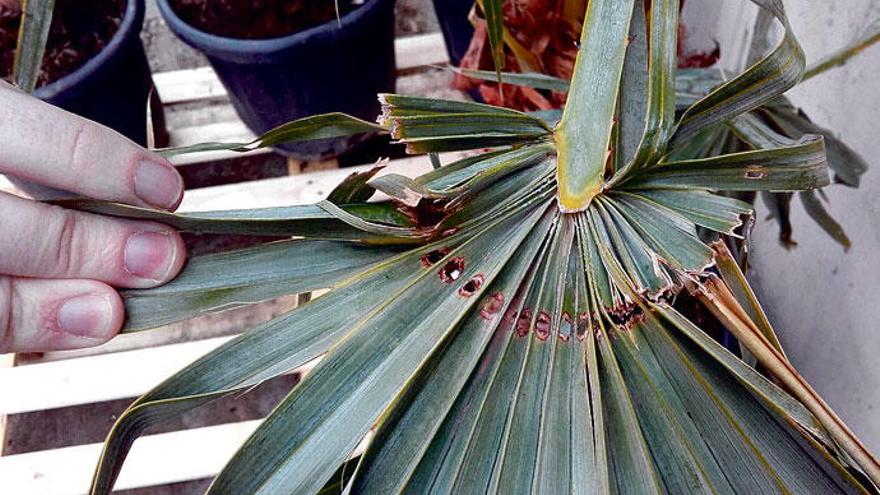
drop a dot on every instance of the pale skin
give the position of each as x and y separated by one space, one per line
59 269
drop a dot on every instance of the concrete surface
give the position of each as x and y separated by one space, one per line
822 301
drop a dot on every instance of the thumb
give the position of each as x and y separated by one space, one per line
44 315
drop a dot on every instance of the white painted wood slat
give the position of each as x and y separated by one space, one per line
90 379
154 460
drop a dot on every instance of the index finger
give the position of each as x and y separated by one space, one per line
45 144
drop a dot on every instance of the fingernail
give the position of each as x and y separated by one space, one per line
149 255
85 316
158 184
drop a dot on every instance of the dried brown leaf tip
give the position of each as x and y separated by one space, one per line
471 286
492 306
452 270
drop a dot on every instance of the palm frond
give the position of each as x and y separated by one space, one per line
511 322
325 126
494 11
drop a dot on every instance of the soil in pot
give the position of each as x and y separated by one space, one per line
80 29
258 19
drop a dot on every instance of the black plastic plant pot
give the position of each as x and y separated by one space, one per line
113 87
457 29
338 66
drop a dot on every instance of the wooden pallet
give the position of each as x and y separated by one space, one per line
132 364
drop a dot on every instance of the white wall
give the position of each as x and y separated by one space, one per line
826 303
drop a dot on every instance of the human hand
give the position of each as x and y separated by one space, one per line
57 266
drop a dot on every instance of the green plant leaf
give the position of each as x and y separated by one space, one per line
583 136
411 423
310 221
848 166
358 221
325 126
631 465
463 454
632 106
528 79
747 433
475 209
669 234
653 96
499 341
494 10
269 350
644 273
800 166
217 282
354 188
675 442
518 459
817 211
772 75
344 394
691 85
426 125
718 213
750 129
753 131
455 181
32 37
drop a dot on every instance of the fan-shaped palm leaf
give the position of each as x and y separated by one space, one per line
506 324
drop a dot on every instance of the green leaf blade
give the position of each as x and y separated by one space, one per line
769 77
226 280
797 167
32 37
325 126
343 394
584 133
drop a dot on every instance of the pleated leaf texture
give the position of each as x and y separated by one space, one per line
506 323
